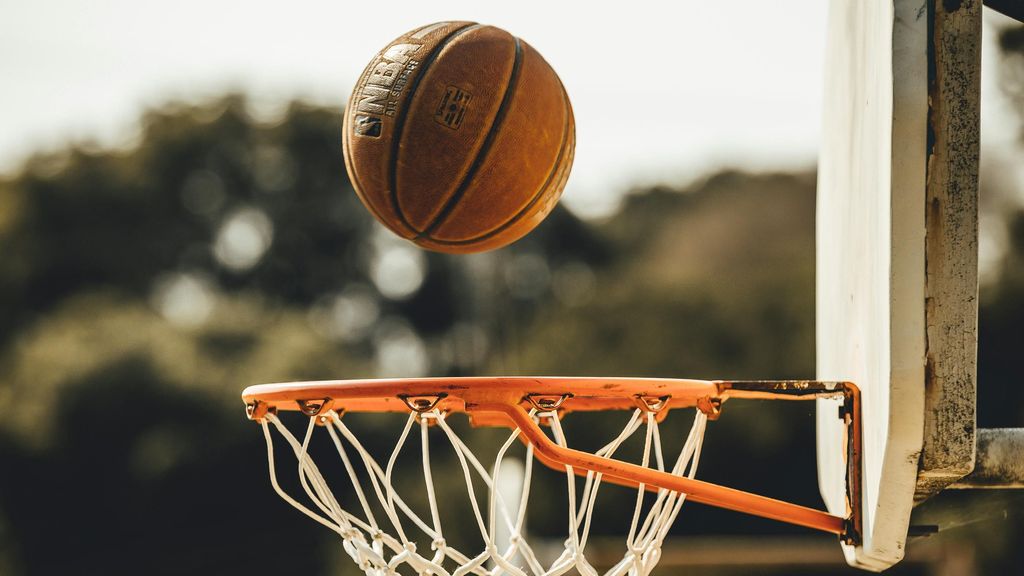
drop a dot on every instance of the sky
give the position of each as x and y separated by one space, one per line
663 92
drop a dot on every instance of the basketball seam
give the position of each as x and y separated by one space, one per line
404 113
485 148
563 147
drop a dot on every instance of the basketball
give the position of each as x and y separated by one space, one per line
459 137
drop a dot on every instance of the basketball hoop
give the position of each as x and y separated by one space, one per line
380 530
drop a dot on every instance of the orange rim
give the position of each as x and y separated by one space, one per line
505 401
461 394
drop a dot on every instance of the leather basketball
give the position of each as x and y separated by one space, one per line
459 137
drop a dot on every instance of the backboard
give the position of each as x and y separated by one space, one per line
897 255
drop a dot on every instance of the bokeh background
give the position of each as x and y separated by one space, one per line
176 224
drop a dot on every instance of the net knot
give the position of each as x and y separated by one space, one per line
572 549
545 417
438 544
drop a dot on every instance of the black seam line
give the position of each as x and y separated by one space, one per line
396 137
555 170
481 155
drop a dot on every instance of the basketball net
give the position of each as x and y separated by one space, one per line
379 530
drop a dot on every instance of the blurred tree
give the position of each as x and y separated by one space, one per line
209 190
713 281
1002 312
1011 67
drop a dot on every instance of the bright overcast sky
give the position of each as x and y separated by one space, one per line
662 91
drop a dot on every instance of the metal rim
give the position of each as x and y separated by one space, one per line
459 394
506 401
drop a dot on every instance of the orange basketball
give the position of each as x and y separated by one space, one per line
459 137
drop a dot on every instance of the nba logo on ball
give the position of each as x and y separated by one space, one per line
367 126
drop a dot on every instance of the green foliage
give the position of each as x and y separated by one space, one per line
716 281
88 219
1011 73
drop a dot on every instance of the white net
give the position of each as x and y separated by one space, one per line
380 530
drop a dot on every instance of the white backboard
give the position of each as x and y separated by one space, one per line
893 273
